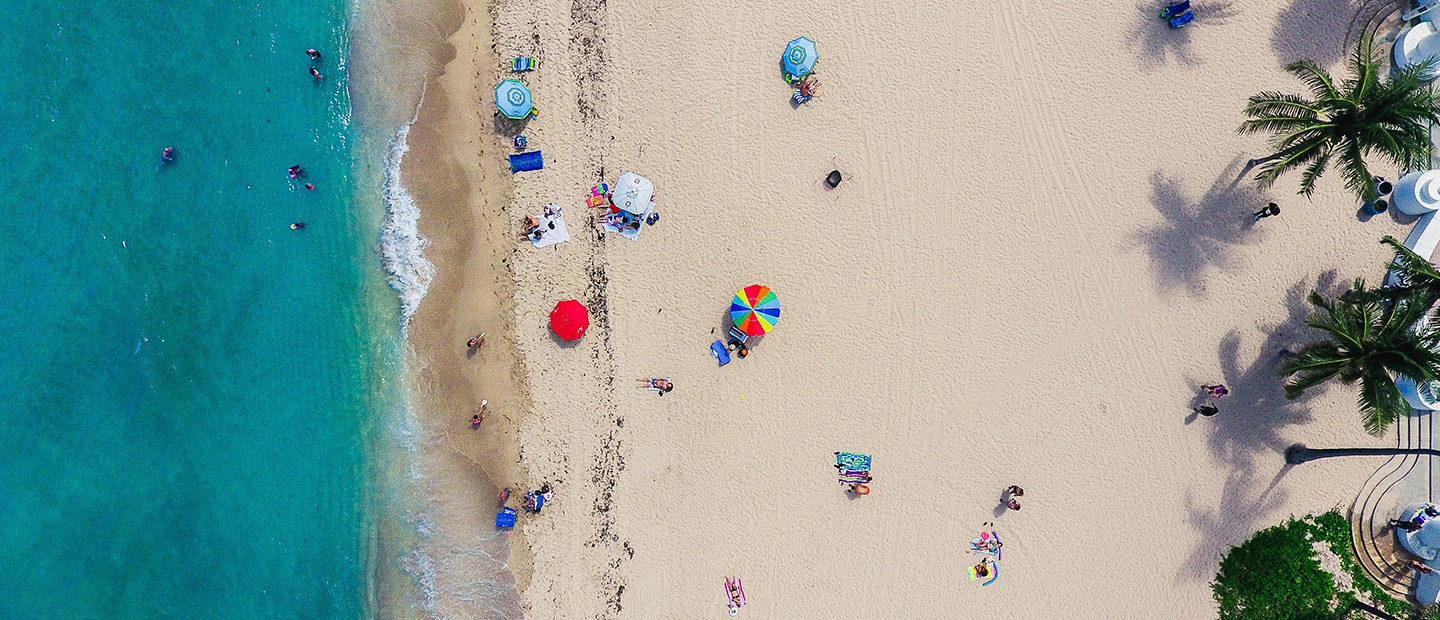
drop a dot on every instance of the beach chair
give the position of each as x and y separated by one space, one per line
717 350
524 63
1174 9
740 340
1182 19
799 98
505 518
734 594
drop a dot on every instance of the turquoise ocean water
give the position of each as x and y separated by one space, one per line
191 393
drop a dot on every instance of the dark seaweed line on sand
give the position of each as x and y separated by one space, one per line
587 25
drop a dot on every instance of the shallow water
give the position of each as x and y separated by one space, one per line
192 395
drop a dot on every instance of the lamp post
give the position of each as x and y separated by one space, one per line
1298 453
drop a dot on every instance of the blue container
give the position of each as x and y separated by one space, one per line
1377 207
505 518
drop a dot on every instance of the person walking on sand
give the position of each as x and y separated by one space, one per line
476 342
1269 210
479 416
1206 410
1217 391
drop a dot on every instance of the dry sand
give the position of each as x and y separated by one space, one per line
1043 249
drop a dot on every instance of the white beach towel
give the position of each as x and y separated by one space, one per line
559 234
632 234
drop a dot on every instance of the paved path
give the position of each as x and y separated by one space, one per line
1399 482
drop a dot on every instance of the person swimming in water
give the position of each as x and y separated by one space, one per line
297 226
296 171
168 154
313 53
316 73
310 187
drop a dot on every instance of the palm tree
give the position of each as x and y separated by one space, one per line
1371 339
1409 271
1347 121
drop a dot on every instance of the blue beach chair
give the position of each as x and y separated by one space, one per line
1175 9
1182 19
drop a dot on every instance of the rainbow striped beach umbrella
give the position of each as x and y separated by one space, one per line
755 310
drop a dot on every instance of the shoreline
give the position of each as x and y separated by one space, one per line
456 180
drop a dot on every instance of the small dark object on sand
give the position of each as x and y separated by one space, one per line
833 179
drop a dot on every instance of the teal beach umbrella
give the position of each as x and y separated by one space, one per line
513 99
799 59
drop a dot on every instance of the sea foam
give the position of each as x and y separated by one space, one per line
402 249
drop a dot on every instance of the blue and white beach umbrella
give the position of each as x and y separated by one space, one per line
513 99
799 59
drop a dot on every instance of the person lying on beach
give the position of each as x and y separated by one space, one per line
658 384
1409 526
1012 504
1015 490
982 569
530 224
807 88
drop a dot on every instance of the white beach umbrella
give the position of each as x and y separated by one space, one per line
633 193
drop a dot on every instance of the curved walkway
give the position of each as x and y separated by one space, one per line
1399 482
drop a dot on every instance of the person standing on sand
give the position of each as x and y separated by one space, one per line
1218 390
1269 210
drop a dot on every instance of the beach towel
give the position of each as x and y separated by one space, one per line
854 477
851 461
993 568
552 236
521 162
631 234
717 350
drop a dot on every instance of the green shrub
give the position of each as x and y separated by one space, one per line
1276 575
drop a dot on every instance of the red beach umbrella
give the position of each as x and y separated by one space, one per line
569 320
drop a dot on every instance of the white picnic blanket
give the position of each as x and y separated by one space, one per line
559 234
632 234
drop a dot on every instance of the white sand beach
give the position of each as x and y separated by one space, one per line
1042 250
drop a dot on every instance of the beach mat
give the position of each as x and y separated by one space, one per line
520 162
552 236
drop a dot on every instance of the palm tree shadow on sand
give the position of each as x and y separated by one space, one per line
1315 29
1246 436
1197 235
1157 41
